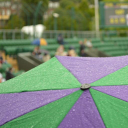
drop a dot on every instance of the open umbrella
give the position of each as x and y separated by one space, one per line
68 92
39 42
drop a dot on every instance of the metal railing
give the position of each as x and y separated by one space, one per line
13 34
18 34
69 34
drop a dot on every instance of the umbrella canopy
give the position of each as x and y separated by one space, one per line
39 42
68 92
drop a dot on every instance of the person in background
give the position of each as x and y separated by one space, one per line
60 39
88 43
60 51
82 47
0 65
9 74
1 58
83 54
71 52
1 78
46 57
36 51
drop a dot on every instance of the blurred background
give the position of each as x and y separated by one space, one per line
33 31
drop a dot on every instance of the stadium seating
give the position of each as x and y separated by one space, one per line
111 46
15 73
25 46
4 67
14 43
120 46
18 73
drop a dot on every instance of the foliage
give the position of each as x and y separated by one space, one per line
73 15
35 2
15 22
113 0
29 8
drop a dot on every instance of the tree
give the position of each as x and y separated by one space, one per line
73 15
35 2
87 12
29 8
15 22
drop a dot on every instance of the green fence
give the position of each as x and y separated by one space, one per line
12 34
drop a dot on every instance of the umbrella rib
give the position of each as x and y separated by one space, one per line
110 95
108 85
102 105
108 74
71 108
97 108
39 90
35 107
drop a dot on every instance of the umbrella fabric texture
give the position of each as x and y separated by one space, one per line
51 95
39 42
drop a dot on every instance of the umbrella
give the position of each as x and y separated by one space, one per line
39 42
68 92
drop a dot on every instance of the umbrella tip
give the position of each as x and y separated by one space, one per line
85 86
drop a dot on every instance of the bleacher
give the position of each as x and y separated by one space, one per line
5 67
120 45
111 46
13 47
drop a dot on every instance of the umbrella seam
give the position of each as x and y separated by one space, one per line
67 70
108 75
108 85
70 109
97 108
109 95
37 108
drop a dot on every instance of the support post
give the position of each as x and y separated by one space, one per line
97 18
35 17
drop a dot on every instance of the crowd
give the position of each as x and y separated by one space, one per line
71 52
61 51
8 73
44 55
83 46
